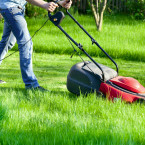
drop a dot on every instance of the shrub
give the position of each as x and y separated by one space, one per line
136 8
34 11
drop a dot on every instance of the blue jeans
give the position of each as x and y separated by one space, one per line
15 28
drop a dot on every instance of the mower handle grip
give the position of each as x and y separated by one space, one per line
49 13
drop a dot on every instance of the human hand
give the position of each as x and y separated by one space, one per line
66 3
51 6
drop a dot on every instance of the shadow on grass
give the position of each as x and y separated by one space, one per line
27 95
65 93
2 112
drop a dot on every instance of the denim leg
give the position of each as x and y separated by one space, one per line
7 42
18 26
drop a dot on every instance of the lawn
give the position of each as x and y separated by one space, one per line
59 117
121 36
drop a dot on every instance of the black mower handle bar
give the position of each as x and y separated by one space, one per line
93 40
56 20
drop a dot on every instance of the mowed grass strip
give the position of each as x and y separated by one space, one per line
121 37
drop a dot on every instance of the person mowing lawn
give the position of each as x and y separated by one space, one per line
15 29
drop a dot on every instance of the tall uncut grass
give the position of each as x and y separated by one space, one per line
59 117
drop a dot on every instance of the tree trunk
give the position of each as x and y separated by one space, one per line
1 17
98 12
101 15
95 14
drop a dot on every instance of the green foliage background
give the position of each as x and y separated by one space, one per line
136 9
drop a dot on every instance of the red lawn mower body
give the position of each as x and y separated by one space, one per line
126 88
85 77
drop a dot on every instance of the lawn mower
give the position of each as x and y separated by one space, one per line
89 76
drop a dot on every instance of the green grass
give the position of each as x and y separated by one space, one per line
121 37
59 117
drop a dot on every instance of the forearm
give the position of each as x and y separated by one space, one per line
50 6
39 3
